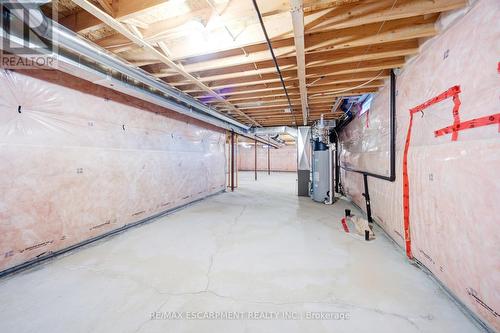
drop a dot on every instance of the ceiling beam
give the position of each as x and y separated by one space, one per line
324 101
234 14
265 96
249 61
374 33
402 44
251 79
257 87
270 94
298 32
325 69
366 12
106 6
337 48
360 53
221 69
119 27
385 50
294 97
321 73
370 34
83 21
353 67
269 80
341 78
315 5
333 87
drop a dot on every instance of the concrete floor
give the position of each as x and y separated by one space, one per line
260 252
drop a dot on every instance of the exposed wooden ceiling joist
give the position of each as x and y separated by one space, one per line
269 81
349 48
82 21
386 50
314 5
298 30
323 71
136 38
352 39
366 12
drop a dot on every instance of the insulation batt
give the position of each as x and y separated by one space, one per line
282 159
82 160
454 187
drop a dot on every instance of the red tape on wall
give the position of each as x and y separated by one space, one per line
457 126
473 123
452 92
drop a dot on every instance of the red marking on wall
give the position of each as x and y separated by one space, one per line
368 119
456 116
453 93
344 224
473 123
441 97
406 192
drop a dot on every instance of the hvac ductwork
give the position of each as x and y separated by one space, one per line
275 130
118 74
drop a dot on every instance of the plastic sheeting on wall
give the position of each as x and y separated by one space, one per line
453 185
282 159
369 155
76 165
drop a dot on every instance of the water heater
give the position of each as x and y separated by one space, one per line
322 163
321 172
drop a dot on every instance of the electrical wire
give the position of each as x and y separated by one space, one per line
361 85
274 57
